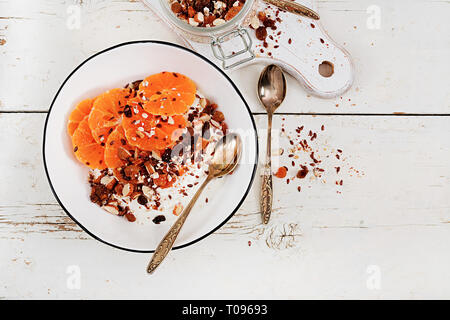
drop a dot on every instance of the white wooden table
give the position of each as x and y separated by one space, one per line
385 233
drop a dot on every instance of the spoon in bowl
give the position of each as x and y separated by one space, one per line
271 93
227 153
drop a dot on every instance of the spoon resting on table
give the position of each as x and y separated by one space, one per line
227 153
271 93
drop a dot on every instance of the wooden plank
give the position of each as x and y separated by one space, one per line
390 215
398 67
394 171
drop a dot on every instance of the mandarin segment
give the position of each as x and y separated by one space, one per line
106 111
86 149
167 93
117 149
149 132
78 114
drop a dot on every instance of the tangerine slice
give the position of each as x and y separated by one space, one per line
116 148
86 149
105 116
77 115
150 132
167 93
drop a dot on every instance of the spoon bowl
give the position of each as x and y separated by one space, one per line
227 153
271 87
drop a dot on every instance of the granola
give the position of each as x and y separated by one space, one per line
206 13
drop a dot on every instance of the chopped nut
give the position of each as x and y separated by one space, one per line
216 124
203 102
192 22
177 209
149 167
111 209
123 154
108 181
156 155
254 22
218 22
155 175
127 190
199 17
147 191
205 117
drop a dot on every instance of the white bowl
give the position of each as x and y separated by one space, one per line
114 67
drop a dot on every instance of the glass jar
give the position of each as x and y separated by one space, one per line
218 35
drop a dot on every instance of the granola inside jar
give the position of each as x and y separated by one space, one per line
206 13
202 20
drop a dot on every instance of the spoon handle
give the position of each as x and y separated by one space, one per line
266 186
293 7
167 242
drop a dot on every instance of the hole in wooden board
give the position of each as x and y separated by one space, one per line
326 69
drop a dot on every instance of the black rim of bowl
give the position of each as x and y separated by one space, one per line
219 70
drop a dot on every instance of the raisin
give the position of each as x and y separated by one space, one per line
127 111
167 155
142 200
269 23
159 219
261 33
130 217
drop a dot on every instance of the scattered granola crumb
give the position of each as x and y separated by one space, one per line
281 172
301 174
